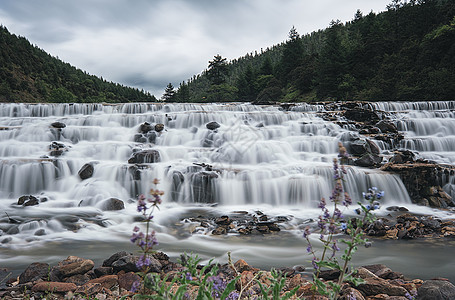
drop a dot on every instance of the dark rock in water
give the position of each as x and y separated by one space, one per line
28 200
57 149
116 256
361 115
139 138
40 232
374 149
358 147
220 230
86 171
387 127
368 160
436 290
177 182
151 137
145 127
145 156
212 125
34 272
397 208
58 125
202 184
159 127
112 204
223 220
403 156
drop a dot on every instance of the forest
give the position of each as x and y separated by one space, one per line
29 74
405 53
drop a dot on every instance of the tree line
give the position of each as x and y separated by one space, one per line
29 74
406 53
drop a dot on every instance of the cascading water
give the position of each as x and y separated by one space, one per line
254 158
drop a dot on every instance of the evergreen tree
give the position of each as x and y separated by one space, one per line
169 93
218 70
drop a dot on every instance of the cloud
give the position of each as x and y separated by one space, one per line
148 44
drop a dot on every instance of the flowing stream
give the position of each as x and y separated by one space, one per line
260 158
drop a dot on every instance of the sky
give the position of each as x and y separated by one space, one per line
149 43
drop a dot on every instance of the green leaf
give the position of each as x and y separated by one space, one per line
229 288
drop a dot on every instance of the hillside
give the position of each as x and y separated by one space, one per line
404 53
29 74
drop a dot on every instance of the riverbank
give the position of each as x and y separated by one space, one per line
80 278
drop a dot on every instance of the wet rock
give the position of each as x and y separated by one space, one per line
361 115
202 185
403 156
159 127
359 147
145 127
151 137
220 230
107 281
223 220
27 200
57 149
396 208
212 125
140 138
34 272
112 204
368 160
436 290
58 125
386 127
54 287
40 232
86 171
145 156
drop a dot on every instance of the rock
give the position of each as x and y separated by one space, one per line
40 232
212 125
78 279
114 257
374 285
112 204
54 287
74 265
145 157
242 266
89 289
436 290
27 200
329 274
139 138
223 220
151 137
351 293
159 127
220 230
374 149
58 125
386 127
359 147
107 282
368 160
86 171
125 281
361 115
103 271
34 272
145 127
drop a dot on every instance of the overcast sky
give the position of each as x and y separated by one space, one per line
149 43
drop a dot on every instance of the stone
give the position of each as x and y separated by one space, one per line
436 290
103 271
114 257
125 281
361 115
223 220
374 285
89 289
159 127
34 272
212 125
368 160
359 147
58 125
74 265
387 127
351 293
145 157
112 204
78 279
54 287
108 281
86 171
27 200
145 127
220 230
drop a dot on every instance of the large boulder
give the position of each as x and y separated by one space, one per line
145 127
436 290
112 204
27 200
361 115
34 272
368 160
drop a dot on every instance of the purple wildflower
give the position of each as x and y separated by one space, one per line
306 232
135 286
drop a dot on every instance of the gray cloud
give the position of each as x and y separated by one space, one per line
148 44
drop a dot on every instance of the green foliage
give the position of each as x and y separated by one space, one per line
29 74
404 53
277 284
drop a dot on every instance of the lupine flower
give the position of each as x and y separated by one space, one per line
306 232
135 286
322 204
309 249
347 200
188 276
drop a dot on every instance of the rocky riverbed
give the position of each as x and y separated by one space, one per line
79 278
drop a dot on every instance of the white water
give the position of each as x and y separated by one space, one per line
263 158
